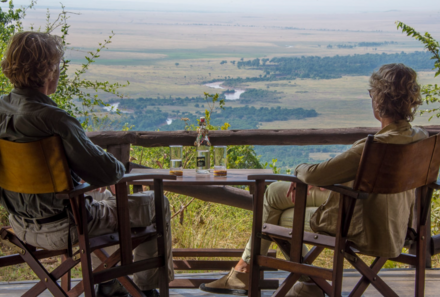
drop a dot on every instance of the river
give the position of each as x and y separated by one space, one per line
112 107
228 96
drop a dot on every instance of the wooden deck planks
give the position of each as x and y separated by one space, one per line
400 280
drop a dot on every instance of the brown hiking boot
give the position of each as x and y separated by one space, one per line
301 289
235 283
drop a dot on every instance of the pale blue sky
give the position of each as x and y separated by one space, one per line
252 6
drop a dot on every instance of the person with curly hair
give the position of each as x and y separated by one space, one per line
379 223
32 64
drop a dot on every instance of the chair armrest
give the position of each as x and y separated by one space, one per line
78 190
347 191
292 178
85 187
435 185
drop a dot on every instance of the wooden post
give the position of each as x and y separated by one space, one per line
121 152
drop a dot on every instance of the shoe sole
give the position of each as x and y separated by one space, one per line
224 291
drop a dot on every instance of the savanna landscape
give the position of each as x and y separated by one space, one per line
171 55
174 55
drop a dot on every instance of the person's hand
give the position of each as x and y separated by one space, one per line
100 190
291 192
310 187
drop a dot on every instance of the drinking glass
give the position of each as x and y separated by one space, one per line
176 160
220 160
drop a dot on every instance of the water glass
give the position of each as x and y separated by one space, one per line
176 160
220 161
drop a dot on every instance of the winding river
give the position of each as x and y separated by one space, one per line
229 96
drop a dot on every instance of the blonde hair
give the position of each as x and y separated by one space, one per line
31 58
395 91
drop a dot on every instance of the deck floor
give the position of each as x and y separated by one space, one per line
402 281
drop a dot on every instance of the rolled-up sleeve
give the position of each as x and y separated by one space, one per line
340 169
89 161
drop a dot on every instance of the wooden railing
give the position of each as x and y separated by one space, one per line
239 137
118 143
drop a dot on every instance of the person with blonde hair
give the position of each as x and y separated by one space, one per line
379 223
32 64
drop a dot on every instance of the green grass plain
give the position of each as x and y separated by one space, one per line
147 46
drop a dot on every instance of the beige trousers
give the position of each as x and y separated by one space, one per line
53 236
278 210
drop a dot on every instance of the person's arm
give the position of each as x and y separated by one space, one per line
89 161
340 169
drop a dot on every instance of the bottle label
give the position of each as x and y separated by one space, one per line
200 161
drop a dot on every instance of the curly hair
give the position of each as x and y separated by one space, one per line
31 58
395 91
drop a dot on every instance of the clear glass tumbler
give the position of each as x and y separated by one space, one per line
176 160
220 161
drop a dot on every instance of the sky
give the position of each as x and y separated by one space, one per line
251 6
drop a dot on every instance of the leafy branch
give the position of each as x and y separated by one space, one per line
10 23
430 92
78 87
211 101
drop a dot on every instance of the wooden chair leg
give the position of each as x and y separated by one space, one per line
162 244
370 274
83 238
363 283
421 263
65 279
423 204
130 286
125 280
323 284
61 270
254 277
294 248
287 284
43 274
338 267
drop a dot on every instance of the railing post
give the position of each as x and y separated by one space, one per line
121 152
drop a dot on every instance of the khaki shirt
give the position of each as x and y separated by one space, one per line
27 115
379 223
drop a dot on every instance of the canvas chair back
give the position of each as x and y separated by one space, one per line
34 167
394 168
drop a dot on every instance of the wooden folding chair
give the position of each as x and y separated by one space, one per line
384 169
41 167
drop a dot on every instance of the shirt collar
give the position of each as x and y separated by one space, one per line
32 94
395 126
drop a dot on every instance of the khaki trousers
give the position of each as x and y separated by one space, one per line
53 236
278 210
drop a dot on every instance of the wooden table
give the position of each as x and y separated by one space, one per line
190 178
235 177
